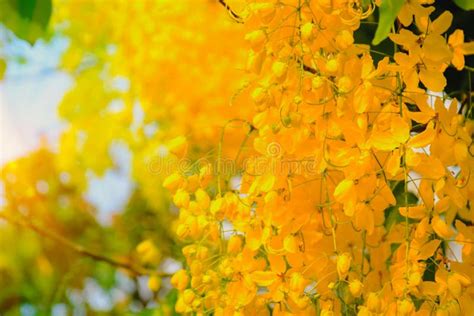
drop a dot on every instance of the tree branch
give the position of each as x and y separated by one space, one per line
137 270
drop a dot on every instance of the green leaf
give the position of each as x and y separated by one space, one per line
388 12
465 4
27 19
3 68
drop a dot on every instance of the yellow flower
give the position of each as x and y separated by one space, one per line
459 48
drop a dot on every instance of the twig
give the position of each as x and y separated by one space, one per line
307 68
232 13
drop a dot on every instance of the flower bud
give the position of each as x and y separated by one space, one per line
180 279
181 198
154 283
188 296
355 287
279 69
202 198
178 146
332 65
343 265
307 31
173 181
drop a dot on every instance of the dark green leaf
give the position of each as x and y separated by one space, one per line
27 19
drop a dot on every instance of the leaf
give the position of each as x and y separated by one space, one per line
27 19
465 4
3 68
388 12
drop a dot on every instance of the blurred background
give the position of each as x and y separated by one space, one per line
90 93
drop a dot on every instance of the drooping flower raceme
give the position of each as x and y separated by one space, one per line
356 189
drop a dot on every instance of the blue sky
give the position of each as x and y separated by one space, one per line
29 96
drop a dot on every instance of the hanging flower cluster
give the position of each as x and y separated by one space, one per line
355 195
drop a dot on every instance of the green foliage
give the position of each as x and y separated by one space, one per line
3 68
465 4
388 12
392 214
27 19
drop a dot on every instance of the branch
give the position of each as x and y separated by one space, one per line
232 13
137 270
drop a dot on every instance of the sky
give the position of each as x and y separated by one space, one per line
30 93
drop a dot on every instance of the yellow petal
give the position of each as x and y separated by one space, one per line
400 129
468 48
443 205
364 218
279 69
424 138
441 228
277 263
383 141
442 23
436 49
428 249
420 117
290 244
430 288
415 211
343 189
433 80
460 151
393 163
263 278
254 238
267 182
178 146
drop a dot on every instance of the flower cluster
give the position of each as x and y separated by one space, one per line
384 226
